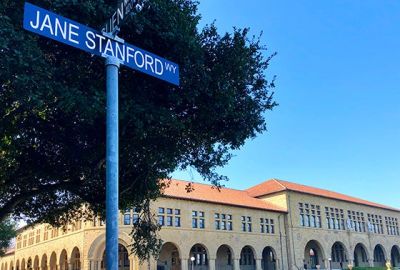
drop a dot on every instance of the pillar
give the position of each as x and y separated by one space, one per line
236 264
131 263
86 264
185 264
211 264
371 262
98 265
258 264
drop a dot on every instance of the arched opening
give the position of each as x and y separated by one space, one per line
379 256
29 264
53 261
11 265
36 263
63 260
269 259
169 258
123 259
43 263
23 265
313 255
224 258
5 266
247 259
17 265
339 256
360 256
76 259
198 258
395 256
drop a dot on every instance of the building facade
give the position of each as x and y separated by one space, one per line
273 226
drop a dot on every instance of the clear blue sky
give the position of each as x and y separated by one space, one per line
338 123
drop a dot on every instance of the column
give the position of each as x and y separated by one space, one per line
98 265
86 265
211 264
371 262
236 264
258 264
132 263
185 264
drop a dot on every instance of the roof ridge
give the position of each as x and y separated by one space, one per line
361 200
279 182
206 184
208 193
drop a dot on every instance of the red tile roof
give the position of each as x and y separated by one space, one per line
207 193
9 252
276 185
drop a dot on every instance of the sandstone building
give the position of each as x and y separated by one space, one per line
272 226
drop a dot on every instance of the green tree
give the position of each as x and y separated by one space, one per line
52 125
7 233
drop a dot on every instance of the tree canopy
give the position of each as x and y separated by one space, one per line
52 124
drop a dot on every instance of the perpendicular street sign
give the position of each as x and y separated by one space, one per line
125 8
56 27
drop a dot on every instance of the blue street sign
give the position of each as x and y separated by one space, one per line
48 24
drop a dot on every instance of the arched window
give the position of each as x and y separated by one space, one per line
247 257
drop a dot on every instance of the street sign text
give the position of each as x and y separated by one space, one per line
48 24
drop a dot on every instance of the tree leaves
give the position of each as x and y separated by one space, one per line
52 118
7 233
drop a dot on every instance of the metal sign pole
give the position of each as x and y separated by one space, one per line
112 212
116 52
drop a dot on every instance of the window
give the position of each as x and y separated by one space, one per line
46 233
198 219
127 218
223 222
135 216
177 221
335 218
200 255
170 221
24 242
31 238
170 217
356 221
310 215
247 257
19 241
94 223
161 220
392 226
246 224
375 224
54 232
38 236
267 225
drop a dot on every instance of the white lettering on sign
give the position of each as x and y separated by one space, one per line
90 43
170 67
50 25
67 31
